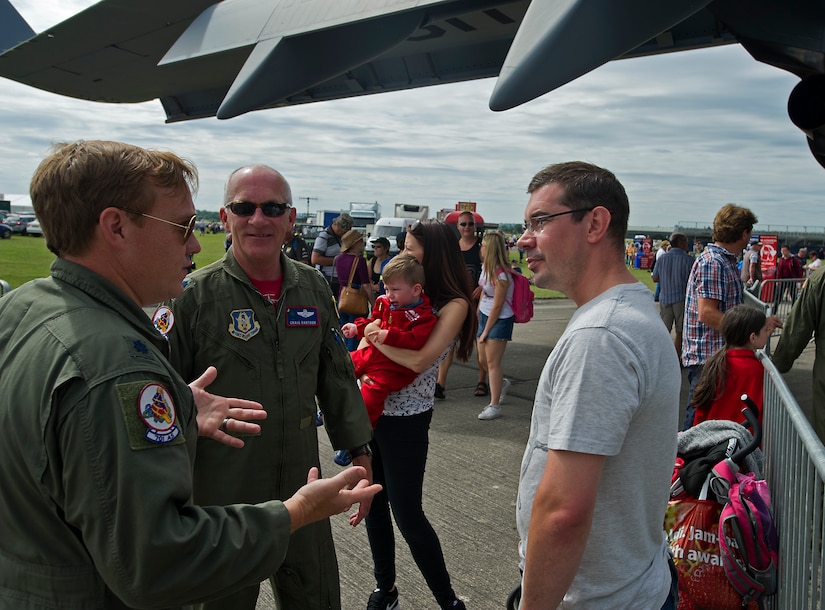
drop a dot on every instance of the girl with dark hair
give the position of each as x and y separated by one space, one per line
734 369
401 440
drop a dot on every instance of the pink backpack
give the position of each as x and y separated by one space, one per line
522 298
747 535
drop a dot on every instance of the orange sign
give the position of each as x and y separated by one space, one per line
466 206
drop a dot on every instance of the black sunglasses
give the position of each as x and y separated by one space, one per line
269 208
467 224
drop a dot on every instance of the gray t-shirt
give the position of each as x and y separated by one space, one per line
611 387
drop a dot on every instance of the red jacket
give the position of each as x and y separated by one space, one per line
745 375
408 327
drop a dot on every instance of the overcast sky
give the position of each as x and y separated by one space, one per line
685 133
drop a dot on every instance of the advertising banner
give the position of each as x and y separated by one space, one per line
768 252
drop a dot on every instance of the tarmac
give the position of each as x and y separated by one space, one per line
472 478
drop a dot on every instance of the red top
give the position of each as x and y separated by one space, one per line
745 375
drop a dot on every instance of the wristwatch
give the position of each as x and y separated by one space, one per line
362 450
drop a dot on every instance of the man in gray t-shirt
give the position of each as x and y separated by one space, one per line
595 477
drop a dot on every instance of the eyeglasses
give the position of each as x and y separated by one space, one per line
188 228
467 224
272 209
535 224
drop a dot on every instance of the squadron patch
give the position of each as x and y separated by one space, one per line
157 410
243 324
302 316
163 319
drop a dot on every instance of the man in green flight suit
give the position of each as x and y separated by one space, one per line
269 325
807 318
99 431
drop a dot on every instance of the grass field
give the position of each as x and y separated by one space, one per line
26 258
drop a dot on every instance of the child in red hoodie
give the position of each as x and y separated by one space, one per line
406 320
734 369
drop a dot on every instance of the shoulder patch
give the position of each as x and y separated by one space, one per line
150 414
163 319
243 324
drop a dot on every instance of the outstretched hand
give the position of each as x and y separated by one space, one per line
322 498
365 462
218 415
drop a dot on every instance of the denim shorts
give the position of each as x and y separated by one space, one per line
502 330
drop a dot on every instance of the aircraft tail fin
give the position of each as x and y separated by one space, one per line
13 28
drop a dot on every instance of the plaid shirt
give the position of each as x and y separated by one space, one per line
713 276
672 271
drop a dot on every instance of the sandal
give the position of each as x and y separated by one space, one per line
482 389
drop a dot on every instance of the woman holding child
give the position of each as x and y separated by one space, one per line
401 436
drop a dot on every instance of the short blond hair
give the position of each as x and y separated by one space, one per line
404 267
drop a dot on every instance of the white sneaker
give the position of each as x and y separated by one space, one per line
490 412
505 385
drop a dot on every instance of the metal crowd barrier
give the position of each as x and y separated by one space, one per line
780 295
795 471
775 298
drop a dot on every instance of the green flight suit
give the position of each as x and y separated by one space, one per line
807 317
283 356
96 458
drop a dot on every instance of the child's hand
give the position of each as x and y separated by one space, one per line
350 330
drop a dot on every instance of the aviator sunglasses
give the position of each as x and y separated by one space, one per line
188 228
269 208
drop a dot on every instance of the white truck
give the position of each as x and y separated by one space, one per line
365 215
411 210
406 215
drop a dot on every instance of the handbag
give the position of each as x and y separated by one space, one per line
353 300
692 527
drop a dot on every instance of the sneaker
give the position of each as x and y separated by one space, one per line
319 419
342 457
505 385
490 412
439 391
456 605
383 600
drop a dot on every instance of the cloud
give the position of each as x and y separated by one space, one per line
685 132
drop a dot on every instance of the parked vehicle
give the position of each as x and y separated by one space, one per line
18 222
389 228
5 231
33 228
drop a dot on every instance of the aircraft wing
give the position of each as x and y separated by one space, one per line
203 58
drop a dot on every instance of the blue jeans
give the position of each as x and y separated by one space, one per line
672 600
694 371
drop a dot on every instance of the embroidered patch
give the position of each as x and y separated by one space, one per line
163 319
302 316
243 325
138 348
157 410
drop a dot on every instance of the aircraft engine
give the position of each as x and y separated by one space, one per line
806 107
